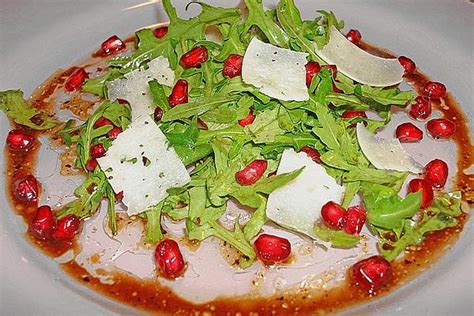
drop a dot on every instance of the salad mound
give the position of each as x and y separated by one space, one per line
187 125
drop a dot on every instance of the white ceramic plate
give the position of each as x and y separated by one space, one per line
38 37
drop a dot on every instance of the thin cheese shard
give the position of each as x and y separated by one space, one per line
141 164
134 87
278 72
359 65
386 154
297 205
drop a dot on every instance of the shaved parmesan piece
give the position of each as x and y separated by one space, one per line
359 65
297 205
142 165
278 72
386 154
134 87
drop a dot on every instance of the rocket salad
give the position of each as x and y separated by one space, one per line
231 135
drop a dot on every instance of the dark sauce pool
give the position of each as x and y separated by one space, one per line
151 297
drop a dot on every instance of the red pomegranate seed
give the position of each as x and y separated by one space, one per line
421 109
354 36
252 172
371 273
91 164
102 121
168 259
312 69
179 95
67 227
441 128
354 219
408 133
201 124
332 69
434 90
333 215
43 222
194 58
312 153
416 185
272 249
114 132
97 150
27 189
248 120
348 114
122 101
353 113
111 45
436 173
158 114
335 88
407 64
75 80
20 141
233 66
160 31
119 196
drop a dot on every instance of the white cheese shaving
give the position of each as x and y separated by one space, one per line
278 72
359 65
142 165
297 205
134 87
386 154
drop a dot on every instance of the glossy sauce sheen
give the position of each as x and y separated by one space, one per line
149 295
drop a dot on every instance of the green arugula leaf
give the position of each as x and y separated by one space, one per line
197 107
150 47
232 41
153 225
185 143
111 214
384 207
87 203
337 238
440 215
265 22
235 238
97 85
256 222
265 127
159 96
21 112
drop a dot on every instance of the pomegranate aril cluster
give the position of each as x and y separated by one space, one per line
44 225
350 221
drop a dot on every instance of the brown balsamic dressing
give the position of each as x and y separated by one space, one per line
151 296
